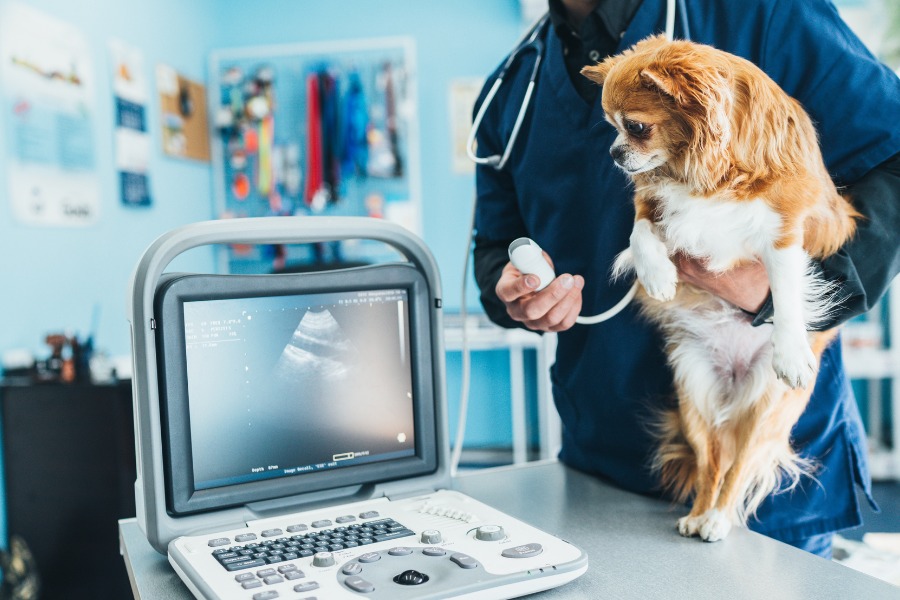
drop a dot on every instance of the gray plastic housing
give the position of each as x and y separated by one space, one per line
155 521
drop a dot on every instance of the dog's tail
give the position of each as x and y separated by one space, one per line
777 471
777 468
674 461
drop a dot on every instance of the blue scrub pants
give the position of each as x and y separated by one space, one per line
820 545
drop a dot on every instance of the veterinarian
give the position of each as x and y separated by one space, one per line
560 187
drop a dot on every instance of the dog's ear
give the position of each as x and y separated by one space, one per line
597 73
701 90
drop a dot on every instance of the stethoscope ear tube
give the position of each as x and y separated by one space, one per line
470 143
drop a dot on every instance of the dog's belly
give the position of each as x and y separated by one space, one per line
723 232
718 357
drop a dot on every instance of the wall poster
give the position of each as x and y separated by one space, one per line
132 142
47 109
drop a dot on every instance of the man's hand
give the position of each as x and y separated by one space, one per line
554 308
746 286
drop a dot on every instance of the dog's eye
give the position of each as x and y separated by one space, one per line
635 128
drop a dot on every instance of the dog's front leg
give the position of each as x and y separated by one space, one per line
792 358
650 259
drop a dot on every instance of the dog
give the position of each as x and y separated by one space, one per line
727 169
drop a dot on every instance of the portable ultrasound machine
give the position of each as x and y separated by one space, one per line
291 430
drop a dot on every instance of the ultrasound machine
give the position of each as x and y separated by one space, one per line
291 429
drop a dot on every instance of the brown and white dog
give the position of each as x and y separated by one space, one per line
726 168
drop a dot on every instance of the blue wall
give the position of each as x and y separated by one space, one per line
53 276
56 276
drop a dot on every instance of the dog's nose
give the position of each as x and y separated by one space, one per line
617 152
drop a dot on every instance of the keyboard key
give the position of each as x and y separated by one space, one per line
392 535
296 528
271 532
245 537
268 595
369 514
322 523
245 564
353 568
285 568
265 572
292 575
273 579
306 586
345 519
252 583
218 542
400 551
226 555
244 576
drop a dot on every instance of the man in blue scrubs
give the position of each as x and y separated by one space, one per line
561 188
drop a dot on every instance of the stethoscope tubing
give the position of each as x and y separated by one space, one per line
531 40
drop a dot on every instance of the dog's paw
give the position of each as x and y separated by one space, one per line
659 278
794 361
714 525
688 526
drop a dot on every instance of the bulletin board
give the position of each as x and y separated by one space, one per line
185 132
324 129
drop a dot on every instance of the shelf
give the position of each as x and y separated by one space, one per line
871 363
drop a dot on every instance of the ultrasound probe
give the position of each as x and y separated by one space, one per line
527 257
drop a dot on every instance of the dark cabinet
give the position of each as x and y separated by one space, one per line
69 471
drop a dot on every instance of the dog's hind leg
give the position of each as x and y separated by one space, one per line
707 447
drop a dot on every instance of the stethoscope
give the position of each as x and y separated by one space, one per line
532 42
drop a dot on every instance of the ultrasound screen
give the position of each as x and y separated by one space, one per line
285 385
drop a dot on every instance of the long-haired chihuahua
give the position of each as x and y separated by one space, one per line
726 169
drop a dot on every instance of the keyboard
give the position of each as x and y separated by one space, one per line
442 545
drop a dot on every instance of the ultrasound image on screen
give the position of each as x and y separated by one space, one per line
285 385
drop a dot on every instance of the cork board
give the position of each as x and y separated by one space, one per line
185 129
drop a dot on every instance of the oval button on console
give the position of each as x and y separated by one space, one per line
464 560
523 551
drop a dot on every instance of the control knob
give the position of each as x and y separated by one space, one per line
431 536
489 533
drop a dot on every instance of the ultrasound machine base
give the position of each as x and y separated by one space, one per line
435 535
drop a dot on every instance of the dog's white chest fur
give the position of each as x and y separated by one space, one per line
720 230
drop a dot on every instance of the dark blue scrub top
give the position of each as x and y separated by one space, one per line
561 188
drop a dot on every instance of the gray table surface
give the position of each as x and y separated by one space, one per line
631 542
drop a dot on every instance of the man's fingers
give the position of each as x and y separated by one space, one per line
540 304
513 285
562 315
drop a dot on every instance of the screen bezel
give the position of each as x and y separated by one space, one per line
174 290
